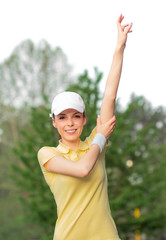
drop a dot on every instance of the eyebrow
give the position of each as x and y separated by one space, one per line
61 114
77 113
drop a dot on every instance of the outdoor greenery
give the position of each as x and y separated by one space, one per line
135 158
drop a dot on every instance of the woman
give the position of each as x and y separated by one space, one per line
75 170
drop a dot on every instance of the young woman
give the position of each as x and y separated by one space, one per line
75 170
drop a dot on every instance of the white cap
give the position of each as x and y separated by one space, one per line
66 100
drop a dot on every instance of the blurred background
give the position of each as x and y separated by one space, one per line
50 46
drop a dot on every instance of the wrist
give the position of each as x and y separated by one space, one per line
120 47
100 140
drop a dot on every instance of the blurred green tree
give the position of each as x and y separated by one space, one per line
29 78
34 192
137 169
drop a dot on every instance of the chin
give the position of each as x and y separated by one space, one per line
72 138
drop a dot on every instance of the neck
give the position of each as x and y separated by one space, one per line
73 144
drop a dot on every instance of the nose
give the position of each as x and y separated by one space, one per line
70 122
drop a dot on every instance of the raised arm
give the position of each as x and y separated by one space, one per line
112 83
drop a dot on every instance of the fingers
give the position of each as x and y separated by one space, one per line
120 19
126 27
111 125
106 128
112 120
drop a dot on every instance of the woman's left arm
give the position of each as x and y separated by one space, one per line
112 83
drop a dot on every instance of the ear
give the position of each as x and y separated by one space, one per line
84 121
54 123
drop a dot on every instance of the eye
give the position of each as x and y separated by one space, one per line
61 117
77 116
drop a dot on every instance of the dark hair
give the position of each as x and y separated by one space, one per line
53 116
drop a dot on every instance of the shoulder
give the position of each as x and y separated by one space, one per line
46 153
46 150
89 139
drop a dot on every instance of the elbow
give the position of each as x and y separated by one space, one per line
84 172
112 99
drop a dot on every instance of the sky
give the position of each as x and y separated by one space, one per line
87 33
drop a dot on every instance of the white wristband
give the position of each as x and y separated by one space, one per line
100 140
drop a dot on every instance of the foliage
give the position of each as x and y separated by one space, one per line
137 169
29 78
35 194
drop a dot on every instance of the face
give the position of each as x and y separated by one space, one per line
69 124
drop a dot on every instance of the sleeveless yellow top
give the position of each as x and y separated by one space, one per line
82 203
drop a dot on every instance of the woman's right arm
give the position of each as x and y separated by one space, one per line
84 166
79 169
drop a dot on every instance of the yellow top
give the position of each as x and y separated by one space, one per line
82 203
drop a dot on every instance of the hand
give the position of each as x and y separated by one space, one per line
106 128
123 31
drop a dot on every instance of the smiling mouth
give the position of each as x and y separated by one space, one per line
71 131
